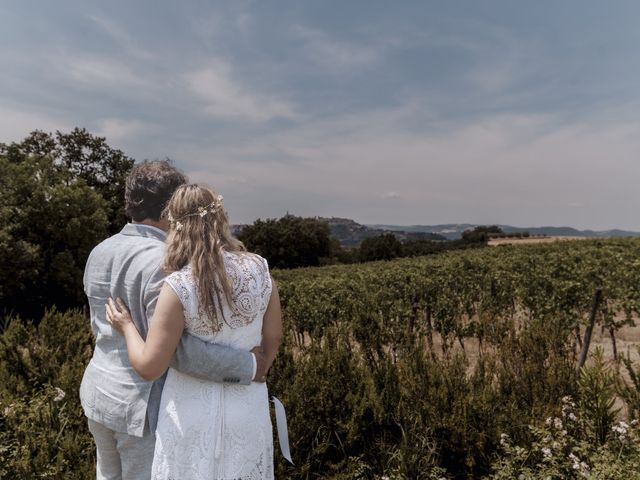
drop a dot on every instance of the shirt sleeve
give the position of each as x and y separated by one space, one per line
152 291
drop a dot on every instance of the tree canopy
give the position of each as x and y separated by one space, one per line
290 241
60 195
381 247
79 155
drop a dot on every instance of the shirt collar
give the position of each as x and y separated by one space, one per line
142 230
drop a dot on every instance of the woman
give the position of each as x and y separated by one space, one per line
221 293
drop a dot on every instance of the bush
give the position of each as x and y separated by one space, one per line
43 431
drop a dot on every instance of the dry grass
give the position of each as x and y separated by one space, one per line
525 241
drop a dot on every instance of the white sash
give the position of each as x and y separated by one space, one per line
283 432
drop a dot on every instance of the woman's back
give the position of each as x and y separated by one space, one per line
239 324
214 430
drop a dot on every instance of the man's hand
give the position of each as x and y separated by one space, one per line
261 364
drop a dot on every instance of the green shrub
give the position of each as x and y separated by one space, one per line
43 431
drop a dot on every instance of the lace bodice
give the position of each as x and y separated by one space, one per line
251 289
210 430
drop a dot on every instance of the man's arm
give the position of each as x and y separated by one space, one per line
206 360
213 362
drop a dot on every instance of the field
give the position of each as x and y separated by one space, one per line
494 242
461 365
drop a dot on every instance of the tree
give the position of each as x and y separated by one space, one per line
480 234
60 195
81 156
289 242
381 247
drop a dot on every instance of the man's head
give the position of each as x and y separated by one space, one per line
149 187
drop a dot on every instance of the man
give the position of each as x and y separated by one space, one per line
121 407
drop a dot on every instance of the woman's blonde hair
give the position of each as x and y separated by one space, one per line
199 233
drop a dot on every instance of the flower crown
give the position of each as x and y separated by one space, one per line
200 212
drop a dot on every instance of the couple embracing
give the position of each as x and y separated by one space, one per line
187 324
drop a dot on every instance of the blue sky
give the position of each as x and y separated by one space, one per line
408 112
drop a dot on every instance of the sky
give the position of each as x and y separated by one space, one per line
409 112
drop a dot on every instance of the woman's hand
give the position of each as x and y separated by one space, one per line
118 315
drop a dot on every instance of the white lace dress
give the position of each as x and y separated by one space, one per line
211 430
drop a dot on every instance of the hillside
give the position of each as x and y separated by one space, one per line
454 231
350 233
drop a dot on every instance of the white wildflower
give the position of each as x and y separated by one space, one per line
579 465
8 410
504 439
557 422
621 429
59 395
546 453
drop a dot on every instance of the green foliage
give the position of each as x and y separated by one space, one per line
43 431
403 369
629 390
60 195
48 225
81 156
481 234
597 397
521 304
290 241
562 448
382 247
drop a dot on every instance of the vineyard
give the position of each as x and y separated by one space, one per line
459 365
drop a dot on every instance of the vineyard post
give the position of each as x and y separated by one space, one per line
597 297
427 315
415 306
614 346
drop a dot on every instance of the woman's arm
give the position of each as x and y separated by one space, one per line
151 358
271 329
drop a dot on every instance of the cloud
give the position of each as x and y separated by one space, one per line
121 37
224 96
17 122
334 54
390 195
503 168
99 72
118 130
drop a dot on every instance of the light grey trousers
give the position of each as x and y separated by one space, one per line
121 456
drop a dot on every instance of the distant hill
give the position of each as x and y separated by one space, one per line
350 233
454 231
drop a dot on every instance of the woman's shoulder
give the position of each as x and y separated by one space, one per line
249 258
185 273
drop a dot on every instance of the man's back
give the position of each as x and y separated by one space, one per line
126 266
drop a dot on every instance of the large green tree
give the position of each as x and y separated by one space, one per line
290 241
80 155
60 195
381 247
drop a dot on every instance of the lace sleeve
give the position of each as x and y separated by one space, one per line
176 281
268 285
